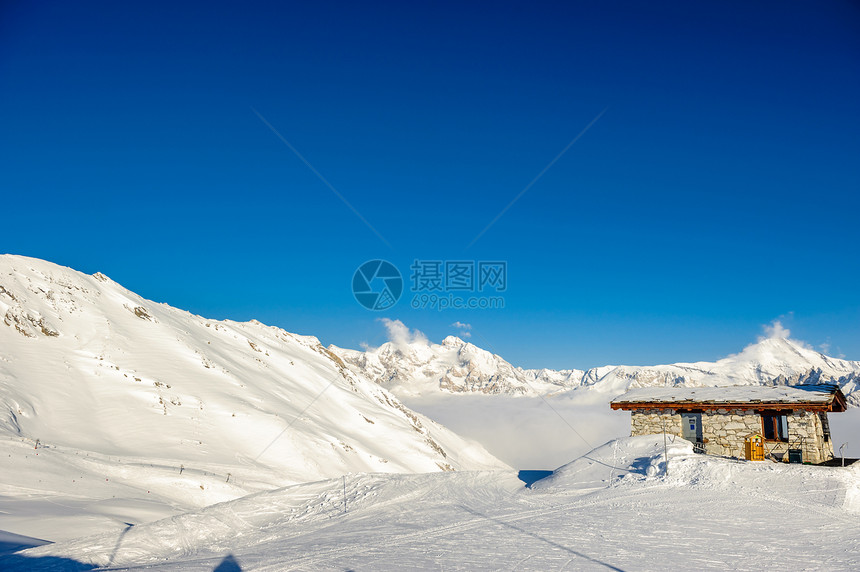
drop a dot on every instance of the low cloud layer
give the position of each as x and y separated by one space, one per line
527 432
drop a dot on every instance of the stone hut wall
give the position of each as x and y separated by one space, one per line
806 427
651 422
725 431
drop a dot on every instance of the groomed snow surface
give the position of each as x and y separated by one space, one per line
615 508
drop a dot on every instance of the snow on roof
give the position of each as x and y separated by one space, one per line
822 394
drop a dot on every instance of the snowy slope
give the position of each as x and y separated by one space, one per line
614 508
455 366
90 368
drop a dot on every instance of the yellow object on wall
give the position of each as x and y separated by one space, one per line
754 448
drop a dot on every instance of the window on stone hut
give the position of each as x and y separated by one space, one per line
825 426
774 426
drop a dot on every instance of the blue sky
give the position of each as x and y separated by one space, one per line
717 192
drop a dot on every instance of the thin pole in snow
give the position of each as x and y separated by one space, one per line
665 445
344 494
614 461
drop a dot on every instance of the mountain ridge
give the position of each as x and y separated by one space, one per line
456 366
86 363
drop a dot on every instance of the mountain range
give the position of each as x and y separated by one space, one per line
456 366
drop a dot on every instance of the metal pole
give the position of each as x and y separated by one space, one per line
665 446
842 454
344 493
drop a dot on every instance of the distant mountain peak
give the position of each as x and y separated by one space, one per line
457 366
453 341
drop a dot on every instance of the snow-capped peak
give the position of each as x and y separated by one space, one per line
453 341
454 366
458 366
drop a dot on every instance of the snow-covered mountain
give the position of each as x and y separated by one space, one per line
456 366
87 365
770 361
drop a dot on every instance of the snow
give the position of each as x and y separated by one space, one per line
626 457
769 361
615 508
133 434
142 410
731 394
412 366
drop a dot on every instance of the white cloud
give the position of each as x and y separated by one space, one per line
464 329
825 348
775 330
399 333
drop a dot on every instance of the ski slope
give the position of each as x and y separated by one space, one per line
613 509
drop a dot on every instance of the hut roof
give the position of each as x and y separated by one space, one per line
823 397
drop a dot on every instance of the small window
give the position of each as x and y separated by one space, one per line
825 426
774 426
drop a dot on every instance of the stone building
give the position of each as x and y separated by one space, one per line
720 419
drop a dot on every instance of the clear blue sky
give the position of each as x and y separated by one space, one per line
718 192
